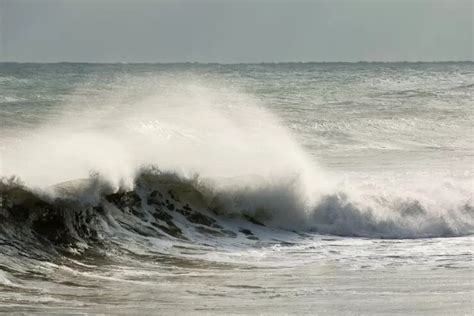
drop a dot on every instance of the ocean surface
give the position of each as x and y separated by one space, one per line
297 188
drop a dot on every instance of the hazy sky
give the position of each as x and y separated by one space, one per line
235 30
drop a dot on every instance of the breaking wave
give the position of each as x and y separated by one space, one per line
191 163
165 205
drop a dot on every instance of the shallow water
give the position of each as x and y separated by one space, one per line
320 275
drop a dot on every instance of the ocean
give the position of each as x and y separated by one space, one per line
291 188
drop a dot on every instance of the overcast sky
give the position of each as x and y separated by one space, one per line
235 30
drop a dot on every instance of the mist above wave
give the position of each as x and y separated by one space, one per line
179 126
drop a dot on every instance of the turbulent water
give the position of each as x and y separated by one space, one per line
251 188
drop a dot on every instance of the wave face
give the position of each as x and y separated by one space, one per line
90 212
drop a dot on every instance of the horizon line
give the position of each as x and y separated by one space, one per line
236 63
